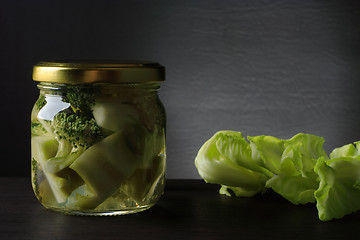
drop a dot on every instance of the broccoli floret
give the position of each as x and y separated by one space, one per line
76 124
77 129
74 128
41 102
81 98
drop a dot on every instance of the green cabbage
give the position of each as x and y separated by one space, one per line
298 169
339 191
292 162
225 159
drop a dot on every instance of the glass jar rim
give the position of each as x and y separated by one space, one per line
98 71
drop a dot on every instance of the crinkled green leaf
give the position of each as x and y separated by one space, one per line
296 189
234 147
218 168
349 150
298 169
287 165
270 150
292 161
302 150
339 191
309 148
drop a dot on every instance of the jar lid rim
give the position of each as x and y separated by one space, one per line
98 71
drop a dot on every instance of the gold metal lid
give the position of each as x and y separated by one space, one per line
81 72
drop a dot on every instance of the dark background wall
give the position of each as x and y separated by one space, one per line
259 67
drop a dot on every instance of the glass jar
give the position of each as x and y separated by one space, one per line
98 137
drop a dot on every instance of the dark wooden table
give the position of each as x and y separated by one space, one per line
189 209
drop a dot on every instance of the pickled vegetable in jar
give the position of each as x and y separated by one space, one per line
98 137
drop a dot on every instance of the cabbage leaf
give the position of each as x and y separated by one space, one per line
339 191
292 161
225 159
298 169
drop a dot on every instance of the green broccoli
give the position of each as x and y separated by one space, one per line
40 102
74 127
81 98
75 124
79 130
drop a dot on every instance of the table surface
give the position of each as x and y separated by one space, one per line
189 209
